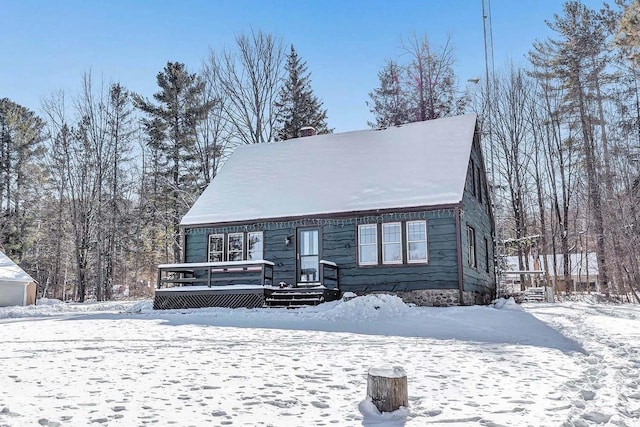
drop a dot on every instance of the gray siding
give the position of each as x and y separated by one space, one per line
441 272
476 214
275 249
339 245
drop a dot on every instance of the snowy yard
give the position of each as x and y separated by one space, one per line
569 364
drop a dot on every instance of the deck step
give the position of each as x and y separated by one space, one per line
299 297
296 294
293 300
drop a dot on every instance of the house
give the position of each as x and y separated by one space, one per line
16 286
403 210
583 272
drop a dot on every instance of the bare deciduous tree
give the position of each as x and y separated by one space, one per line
250 79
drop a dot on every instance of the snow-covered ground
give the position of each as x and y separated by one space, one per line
569 364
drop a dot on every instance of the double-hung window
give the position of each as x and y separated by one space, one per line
235 246
392 243
398 242
368 244
416 241
235 249
216 247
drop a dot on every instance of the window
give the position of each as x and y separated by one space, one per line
473 178
416 241
486 254
471 239
234 246
216 247
479 186
368 244
235 250
392 243
255 245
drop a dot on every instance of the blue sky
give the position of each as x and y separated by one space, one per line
47 45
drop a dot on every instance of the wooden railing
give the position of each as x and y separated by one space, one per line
215 273
329 273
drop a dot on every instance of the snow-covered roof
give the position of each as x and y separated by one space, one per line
10 272
417 164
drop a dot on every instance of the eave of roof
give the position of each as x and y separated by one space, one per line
11 272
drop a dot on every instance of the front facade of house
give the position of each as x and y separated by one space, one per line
431 250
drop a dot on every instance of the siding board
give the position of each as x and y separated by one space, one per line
339 245
475 215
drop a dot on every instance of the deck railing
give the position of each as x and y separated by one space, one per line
214 273
329 273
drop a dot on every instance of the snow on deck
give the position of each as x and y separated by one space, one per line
195 288
216 264
417 164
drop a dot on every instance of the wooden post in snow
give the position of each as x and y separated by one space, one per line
387 388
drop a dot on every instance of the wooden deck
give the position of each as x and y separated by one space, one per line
212 273
237 284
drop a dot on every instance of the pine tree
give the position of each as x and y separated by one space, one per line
578 58
171 127
21 137
297 105
628 36
389 103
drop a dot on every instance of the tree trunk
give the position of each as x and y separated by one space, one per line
387 388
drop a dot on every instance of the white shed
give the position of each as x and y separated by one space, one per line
16 286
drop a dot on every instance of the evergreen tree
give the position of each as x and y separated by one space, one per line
628 36
389 102
21 137
297 105
171 127
578 58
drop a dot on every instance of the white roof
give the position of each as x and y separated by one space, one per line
417 164
10 272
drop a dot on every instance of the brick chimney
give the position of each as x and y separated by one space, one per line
307 131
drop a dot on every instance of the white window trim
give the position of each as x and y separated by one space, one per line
249 233
426 244
374 244
229 236
399 224
220 235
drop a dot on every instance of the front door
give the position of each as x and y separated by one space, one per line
308 255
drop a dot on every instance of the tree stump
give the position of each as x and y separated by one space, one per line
387 388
